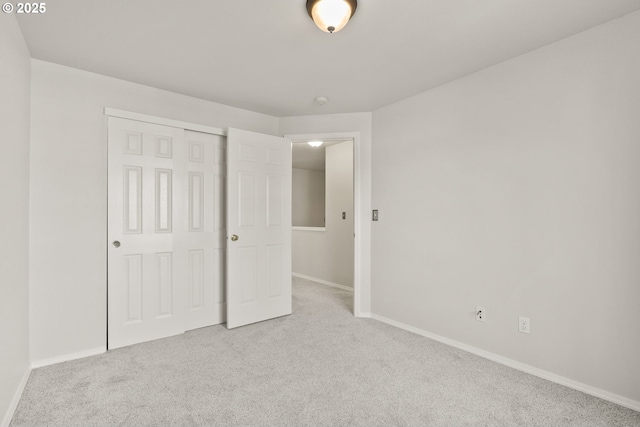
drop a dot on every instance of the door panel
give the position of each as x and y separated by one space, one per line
143 302
202 240
259 214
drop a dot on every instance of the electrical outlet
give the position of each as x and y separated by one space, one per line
524 325
480 314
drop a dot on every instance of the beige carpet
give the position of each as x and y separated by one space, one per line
317 367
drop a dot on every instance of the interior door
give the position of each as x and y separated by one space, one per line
200 238
258 227
165 231
143 302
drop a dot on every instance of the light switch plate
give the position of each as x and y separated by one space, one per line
374 215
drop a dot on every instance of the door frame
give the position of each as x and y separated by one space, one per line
358 226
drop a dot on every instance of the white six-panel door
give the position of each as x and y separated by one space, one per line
258 226
202 236
165 229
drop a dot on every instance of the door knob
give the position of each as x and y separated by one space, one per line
234 237
116 244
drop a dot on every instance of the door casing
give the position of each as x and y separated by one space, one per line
358 224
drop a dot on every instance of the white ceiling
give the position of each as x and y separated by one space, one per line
268 56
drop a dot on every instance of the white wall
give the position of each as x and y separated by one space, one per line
517 188
69 195
328 255
307 198
14 214
339 184
346 123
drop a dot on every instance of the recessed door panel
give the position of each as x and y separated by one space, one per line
133 199
247 273
274 200
164 147
133 286
196 201
164 280
133 143
196 279
247 152
219 263
274 270
219 188
275 156
196 151
164 205
246 200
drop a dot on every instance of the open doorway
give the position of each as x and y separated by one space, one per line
323 211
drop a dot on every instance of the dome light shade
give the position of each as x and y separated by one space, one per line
315 144
331 15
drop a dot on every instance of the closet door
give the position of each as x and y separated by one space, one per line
165 231
199 240
258 227
144 297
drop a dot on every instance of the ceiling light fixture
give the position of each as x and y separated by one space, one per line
331 15
315 144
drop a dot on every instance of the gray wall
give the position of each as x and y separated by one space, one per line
14 211
328 255
308 198
69 195
339 182
516 188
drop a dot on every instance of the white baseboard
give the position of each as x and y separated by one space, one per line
67 357
558 379
323 282
16 399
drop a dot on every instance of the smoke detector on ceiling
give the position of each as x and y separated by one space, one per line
321 100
